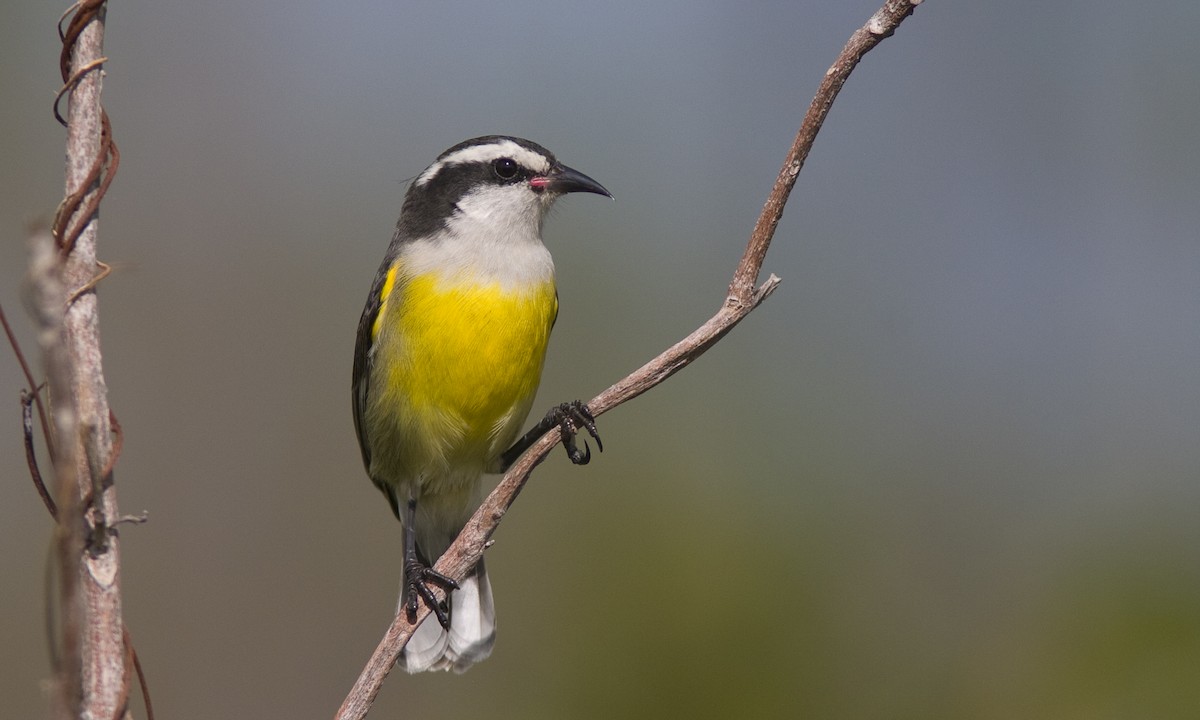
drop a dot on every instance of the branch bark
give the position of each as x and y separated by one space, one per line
744 295
99 645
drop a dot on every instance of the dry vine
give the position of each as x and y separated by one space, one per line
743 296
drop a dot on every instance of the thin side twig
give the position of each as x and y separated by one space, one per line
744 295
35 473
34 389
29 398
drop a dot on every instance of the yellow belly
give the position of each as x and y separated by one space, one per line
455 370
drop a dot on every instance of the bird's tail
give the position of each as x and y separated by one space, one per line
472 630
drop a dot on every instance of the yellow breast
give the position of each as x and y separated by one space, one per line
454 372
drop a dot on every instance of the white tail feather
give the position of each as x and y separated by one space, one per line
470 638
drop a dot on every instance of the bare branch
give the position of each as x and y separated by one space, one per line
881 25
742 298
91 162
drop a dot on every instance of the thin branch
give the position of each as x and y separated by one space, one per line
34 388
35 472
881 26
30 397
743 297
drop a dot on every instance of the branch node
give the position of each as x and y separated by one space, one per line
139 519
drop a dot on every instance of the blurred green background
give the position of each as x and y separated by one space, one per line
951 469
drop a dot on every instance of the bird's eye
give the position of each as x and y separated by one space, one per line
505 168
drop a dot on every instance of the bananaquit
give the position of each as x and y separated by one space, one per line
447 361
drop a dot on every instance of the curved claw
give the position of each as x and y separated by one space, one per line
583 415
579 458
575 414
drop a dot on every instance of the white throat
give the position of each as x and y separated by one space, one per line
493 237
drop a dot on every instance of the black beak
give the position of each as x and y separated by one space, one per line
562 179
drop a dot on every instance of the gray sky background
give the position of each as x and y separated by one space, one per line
950 469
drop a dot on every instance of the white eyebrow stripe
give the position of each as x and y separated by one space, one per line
486 153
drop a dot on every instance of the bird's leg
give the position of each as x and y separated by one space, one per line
569 417
418 575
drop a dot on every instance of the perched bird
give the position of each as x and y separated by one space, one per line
447 361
